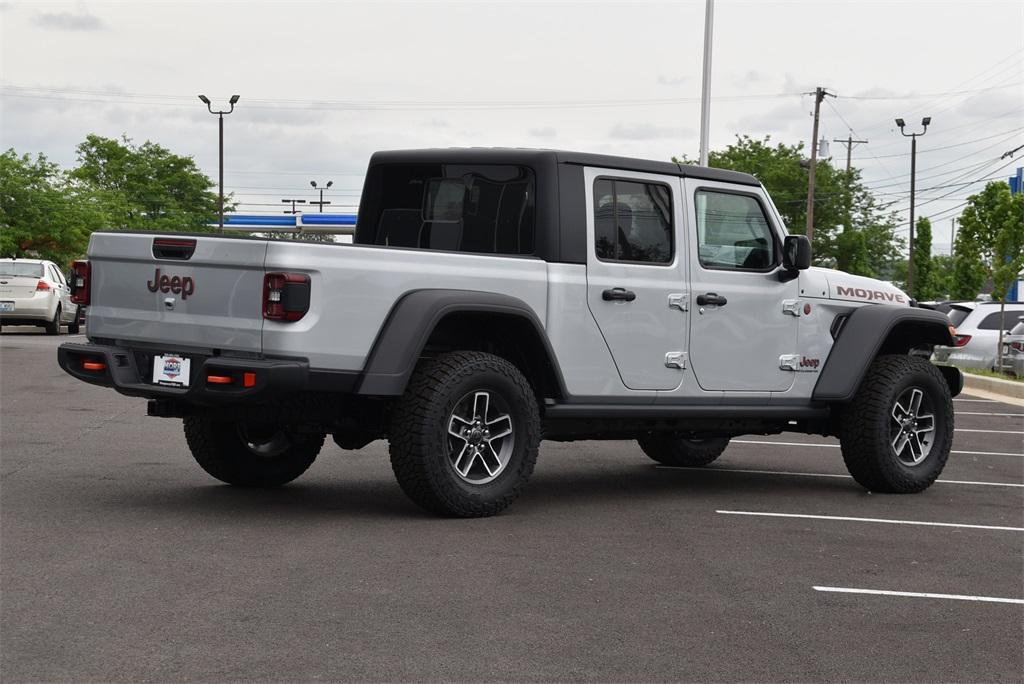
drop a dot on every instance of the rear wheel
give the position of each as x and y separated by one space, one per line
670 449
53 327
897 432
250 455
464 436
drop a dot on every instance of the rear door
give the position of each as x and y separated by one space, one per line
177 293
744 317
634 272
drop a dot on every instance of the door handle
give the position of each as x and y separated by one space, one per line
618 294
711 299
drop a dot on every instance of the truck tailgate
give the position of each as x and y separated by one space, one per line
196 291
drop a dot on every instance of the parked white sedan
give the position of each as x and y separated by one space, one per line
977 336
35 292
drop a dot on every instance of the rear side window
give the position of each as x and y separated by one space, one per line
957 316
632 221
733 232
991 321
485 208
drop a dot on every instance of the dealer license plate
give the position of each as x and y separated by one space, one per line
6 306
170 369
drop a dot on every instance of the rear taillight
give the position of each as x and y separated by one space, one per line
285 296
42 286
961 340
80 272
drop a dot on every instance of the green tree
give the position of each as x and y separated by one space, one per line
992 235
924 280
146 187
842 204
43 213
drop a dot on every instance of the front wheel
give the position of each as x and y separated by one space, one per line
897 432
73 326
670 449
250 455
464 437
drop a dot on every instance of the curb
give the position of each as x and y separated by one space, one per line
998 388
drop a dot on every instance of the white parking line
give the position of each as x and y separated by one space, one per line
915 594
846 477
987 401
995 432
836 446
873 520
979 413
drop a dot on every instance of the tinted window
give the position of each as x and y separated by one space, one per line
957 316
483 208
632 221
991 321
733 232
20 268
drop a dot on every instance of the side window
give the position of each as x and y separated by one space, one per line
55 275
486 209
991 322
733 232
632 221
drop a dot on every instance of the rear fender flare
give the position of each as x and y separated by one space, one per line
413 319
878 329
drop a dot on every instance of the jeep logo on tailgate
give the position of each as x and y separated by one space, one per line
183 285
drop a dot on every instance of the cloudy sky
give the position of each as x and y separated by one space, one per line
325 84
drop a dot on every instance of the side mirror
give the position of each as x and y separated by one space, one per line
796 253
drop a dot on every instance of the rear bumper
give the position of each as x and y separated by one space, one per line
129 372
30 311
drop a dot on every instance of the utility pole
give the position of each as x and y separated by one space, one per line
819 95
321 189
705 89
220 116
849 142
952 235
294 202
913 180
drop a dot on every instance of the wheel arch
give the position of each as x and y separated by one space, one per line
872 330
426 320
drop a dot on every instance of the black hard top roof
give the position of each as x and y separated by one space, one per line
506 155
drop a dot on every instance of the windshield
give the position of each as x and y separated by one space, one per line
21 268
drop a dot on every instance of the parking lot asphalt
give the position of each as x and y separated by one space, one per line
120 560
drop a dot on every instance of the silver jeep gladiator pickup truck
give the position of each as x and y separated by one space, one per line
494 298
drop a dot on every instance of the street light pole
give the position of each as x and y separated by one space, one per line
294 202
913 180
220 116
321 202
705 90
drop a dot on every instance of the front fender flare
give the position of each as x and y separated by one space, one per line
871 330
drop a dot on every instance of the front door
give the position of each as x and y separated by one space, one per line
739 325
634 268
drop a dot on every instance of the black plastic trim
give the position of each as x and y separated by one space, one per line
411 321
273 376
725 411
861 339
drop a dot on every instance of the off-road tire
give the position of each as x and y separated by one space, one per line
73 326
670 449
220 450
866 423
419 441
53 327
